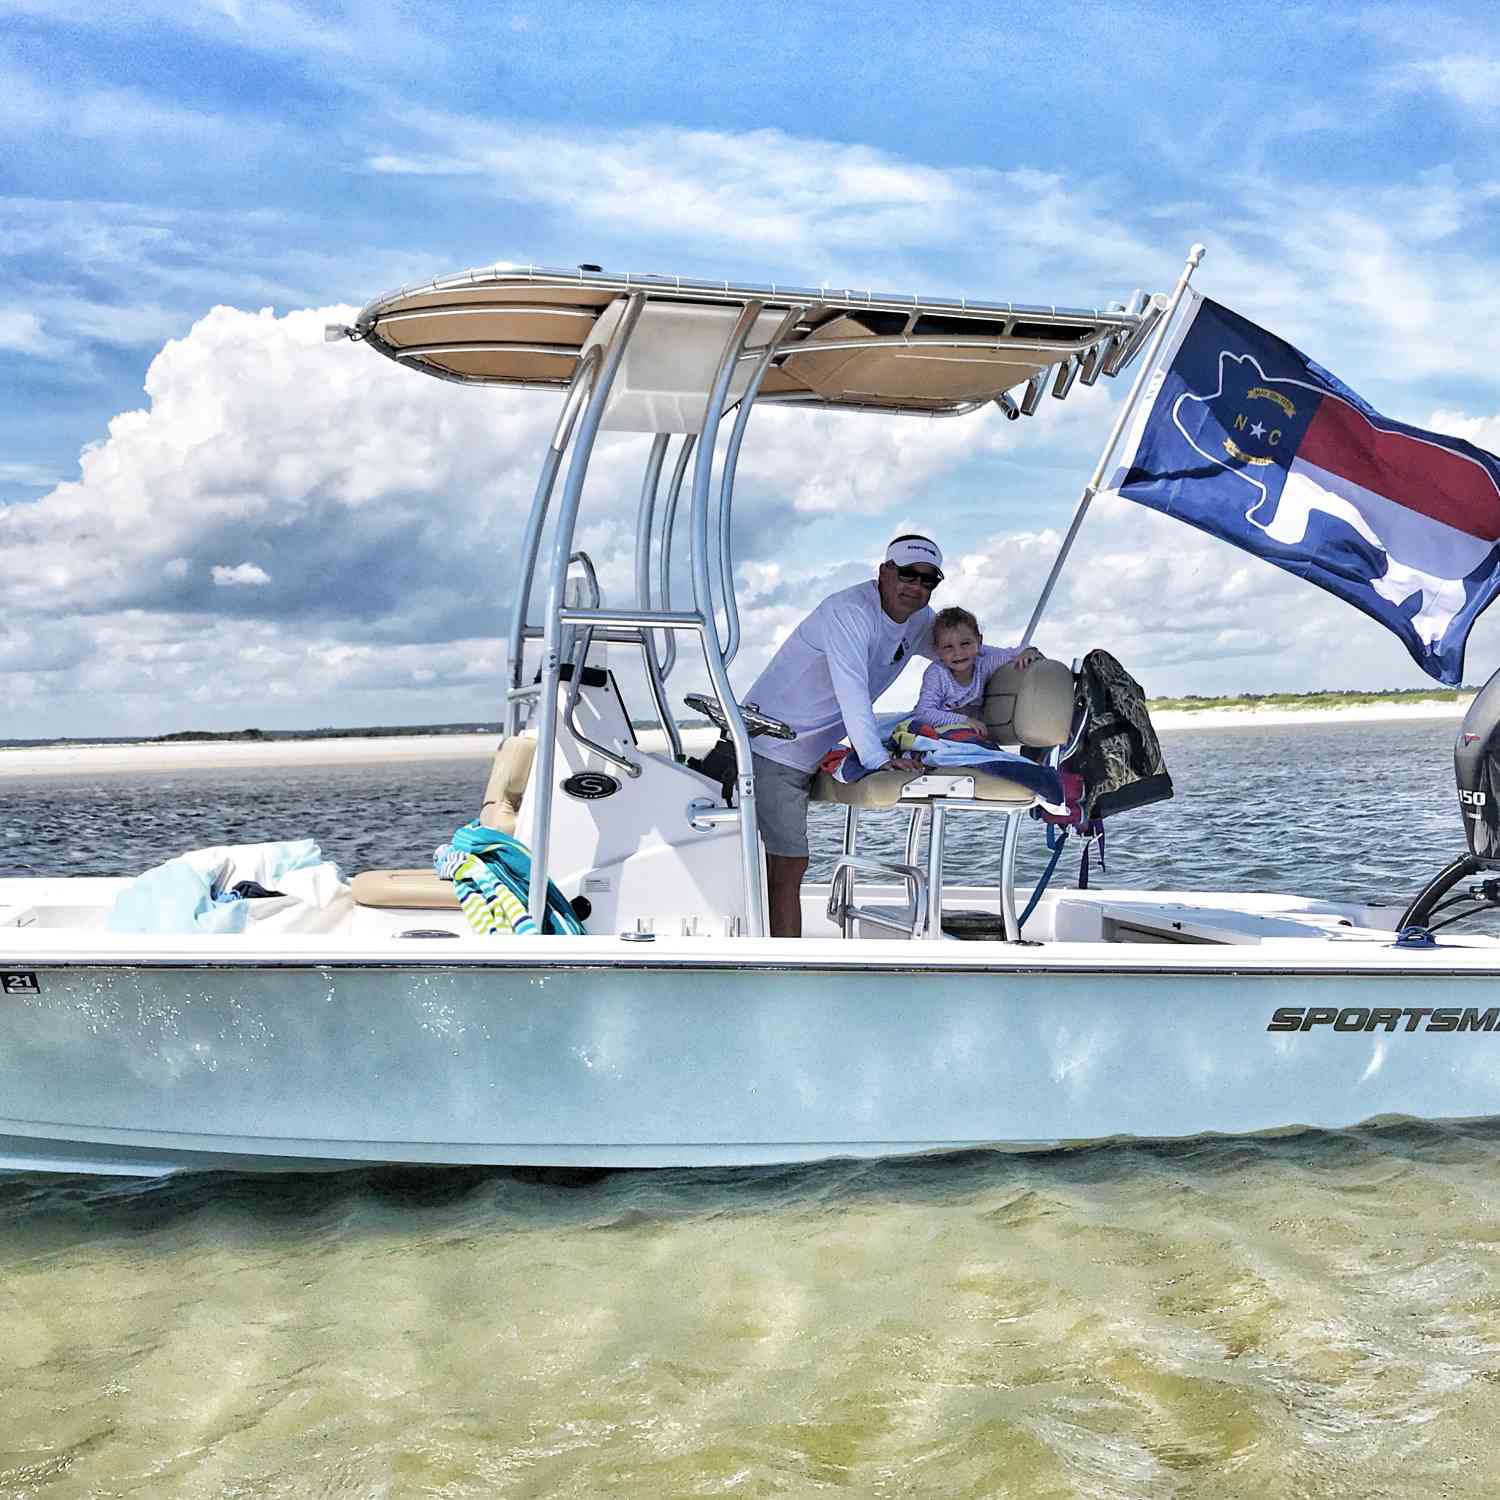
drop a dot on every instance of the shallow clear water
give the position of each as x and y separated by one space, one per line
1313 1314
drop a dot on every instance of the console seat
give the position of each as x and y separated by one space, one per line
1033 707
423 890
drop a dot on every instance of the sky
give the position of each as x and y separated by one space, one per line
211 519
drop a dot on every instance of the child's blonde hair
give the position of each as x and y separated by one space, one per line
952 618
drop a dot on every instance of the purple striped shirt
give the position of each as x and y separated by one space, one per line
945 700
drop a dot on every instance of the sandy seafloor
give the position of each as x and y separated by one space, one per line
1307 1315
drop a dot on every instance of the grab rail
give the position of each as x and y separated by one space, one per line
786 327
668 525
578 392
567 519
713 649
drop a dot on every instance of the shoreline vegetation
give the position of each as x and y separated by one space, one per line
262 736
1333 699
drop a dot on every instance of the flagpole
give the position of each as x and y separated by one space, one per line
1148 366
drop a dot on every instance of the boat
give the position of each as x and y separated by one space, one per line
378 1026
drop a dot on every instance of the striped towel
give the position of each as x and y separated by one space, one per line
491 875
489 906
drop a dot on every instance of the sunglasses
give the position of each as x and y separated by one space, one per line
929 581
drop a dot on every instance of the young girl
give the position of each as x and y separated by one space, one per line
953 686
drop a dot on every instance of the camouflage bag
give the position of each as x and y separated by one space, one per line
1118 756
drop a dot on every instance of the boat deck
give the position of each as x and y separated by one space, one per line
34 910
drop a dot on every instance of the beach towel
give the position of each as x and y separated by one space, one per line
955 747
491 875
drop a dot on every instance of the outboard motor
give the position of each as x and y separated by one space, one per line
1476 764
1476 767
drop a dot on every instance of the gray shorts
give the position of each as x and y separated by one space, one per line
781 794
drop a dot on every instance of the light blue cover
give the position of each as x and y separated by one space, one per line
179 896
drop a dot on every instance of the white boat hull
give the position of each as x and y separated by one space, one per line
598 1053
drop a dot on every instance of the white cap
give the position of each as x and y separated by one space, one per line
910 550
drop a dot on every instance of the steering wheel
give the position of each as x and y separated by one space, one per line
755 721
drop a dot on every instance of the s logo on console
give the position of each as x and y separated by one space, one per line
590 786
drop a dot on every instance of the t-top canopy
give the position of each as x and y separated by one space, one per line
849 350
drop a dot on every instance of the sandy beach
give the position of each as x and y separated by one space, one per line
1269 718
97 760
91 760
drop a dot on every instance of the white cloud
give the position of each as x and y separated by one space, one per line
386 507
32 475
259 25
22 332
1470 80
763 185
1371 282
1367 275
835 209
72 322
1483 432
240 576
58 104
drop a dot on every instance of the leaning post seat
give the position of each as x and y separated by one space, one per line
424 890
1033 707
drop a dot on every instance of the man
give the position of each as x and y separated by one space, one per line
823 682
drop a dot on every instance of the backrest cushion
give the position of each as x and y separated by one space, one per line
1030 707
507 783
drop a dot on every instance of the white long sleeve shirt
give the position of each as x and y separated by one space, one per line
826 676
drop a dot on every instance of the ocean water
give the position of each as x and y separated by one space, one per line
1353 811
1304 1314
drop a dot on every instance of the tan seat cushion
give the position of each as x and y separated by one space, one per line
883 789
507 784
423 890
420 889
1030 707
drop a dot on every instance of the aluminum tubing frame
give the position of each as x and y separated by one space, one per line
935 815
562 546
938 813
1148 366
650 484
668 526
581 649
713 650
786 327
655 677
578 391
843 885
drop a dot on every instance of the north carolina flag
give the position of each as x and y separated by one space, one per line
1247 439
